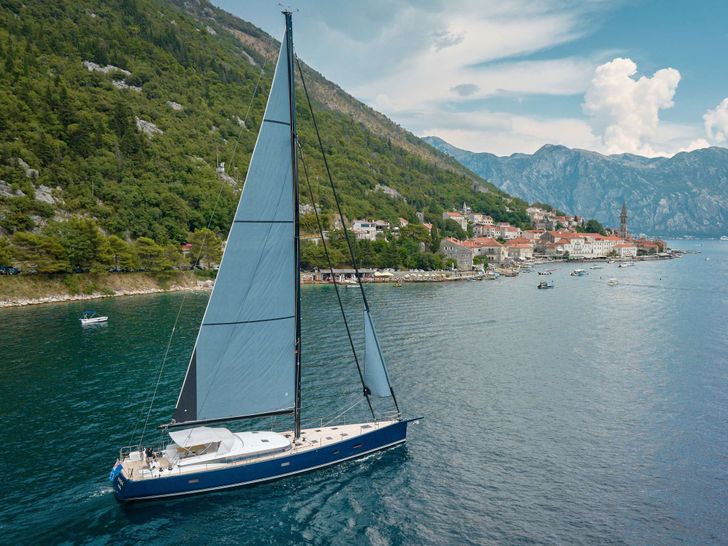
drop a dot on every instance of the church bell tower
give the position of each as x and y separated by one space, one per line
623 222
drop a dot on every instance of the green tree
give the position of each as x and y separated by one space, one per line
150 255
122 254
450 228
37 253
206 248
173 256
81 239
593 226
481 259
6 252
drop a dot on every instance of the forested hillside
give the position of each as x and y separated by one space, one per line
116 113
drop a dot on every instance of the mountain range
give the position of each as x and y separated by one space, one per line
686 194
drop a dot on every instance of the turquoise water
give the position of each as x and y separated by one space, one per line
583 414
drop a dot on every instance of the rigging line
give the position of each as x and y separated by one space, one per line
247 114
333 279
347 410
341 216
333 188
197 259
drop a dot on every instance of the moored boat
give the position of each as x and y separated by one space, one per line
92 317
543 285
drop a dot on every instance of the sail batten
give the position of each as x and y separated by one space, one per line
243 362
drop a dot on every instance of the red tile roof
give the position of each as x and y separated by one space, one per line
479 242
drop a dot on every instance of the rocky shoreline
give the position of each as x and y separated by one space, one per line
306 279
60 298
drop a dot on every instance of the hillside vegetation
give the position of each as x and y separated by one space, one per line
115 113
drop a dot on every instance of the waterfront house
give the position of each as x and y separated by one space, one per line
488 247
519 248
458 251
625 250
647 247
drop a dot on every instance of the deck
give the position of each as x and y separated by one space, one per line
311 439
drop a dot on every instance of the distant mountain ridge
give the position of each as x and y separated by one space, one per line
686 194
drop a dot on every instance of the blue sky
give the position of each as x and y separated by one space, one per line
648 77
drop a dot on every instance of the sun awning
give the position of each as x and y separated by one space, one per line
200 436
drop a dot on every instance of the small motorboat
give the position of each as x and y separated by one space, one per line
92 317
612 282
596 267
626 264
543 284
578 273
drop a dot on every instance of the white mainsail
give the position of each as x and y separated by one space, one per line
244 360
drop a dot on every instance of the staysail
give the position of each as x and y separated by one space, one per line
243 363
375 371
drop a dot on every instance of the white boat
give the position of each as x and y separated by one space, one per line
578 273
612 282
626 264
92 317
596 267
246 362
724 238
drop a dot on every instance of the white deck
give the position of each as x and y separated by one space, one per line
252 449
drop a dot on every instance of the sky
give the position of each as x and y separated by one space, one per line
644 76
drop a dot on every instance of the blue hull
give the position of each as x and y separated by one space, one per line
130 490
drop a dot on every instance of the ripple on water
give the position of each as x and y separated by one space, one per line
584 414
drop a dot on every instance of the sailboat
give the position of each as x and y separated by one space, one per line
246 362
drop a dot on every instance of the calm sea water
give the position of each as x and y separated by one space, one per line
583 414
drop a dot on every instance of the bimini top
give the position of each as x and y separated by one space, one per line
198 436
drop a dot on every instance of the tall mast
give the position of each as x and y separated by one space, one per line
296 236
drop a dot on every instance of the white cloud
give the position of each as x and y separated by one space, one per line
428 64
501 133
716 122
625 111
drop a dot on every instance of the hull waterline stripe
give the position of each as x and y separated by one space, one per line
246 321
239 484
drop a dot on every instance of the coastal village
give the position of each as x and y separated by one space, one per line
498 248
554 237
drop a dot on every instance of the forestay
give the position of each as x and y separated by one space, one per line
244 358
